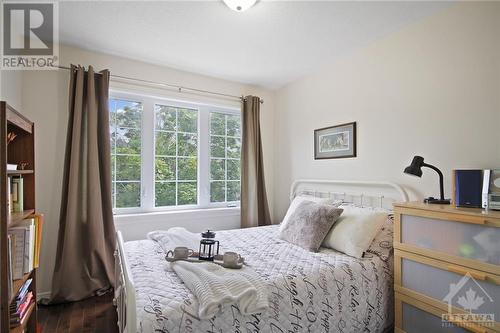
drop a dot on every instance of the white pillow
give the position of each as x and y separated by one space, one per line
355 230
300 199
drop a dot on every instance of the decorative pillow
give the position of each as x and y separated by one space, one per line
382 243
355 230
308 225
301 198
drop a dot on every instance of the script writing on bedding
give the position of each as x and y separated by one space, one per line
317 292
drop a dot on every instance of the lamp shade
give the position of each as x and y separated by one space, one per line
415 168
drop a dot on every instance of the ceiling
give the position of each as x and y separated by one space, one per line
269 45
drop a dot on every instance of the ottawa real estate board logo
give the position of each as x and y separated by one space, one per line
30 38
469 304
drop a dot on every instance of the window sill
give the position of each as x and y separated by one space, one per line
178 215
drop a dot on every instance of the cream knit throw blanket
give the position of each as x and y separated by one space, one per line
174 237
215 287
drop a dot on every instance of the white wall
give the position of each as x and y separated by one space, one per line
432 89
45 101
11 87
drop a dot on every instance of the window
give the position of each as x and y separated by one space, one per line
176 156
225 147
173 155
125 133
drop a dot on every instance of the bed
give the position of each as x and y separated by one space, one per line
308 292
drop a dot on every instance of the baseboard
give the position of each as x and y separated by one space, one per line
41 295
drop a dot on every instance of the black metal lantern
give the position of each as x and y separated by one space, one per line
208 249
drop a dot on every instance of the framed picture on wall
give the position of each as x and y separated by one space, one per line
335 141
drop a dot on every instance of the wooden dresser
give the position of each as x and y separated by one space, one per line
447 269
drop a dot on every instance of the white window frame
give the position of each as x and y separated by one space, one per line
148 152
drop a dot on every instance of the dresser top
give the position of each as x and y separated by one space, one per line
450 209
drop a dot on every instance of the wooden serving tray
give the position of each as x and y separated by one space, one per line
218 259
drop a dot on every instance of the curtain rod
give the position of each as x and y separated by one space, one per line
169 85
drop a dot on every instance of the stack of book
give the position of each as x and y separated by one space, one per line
19 307
24 250
16 194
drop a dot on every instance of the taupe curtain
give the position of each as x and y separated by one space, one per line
254 206
85 262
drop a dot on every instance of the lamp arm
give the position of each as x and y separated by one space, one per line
441 186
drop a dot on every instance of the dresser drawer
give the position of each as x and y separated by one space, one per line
416 317
448 284
416 320
476 240
419 321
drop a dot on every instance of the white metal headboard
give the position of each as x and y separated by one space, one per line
364 193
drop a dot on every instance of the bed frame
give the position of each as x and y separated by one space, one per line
362 193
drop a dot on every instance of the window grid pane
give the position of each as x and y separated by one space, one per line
225 130
225 156
180 125
126 139
176 154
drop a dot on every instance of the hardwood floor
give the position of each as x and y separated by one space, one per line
94 315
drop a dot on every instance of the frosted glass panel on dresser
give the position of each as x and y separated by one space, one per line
437 283
418 321
479 242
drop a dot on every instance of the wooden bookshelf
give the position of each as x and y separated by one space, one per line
19 172
20 150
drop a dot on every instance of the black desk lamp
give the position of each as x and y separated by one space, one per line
415 169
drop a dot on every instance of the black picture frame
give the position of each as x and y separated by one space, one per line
334 142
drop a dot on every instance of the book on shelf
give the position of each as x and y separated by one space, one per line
9 268
29 242
27 227
23 318
26 244
18 252
10 204
19 307
19 310
17 193
38 239
21 295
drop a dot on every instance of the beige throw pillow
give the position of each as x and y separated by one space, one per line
355 230
309 223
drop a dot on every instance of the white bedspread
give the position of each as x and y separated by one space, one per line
309 292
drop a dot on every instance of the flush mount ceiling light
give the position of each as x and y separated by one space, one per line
239 5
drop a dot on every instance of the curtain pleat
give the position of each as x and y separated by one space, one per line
254 206
85 261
